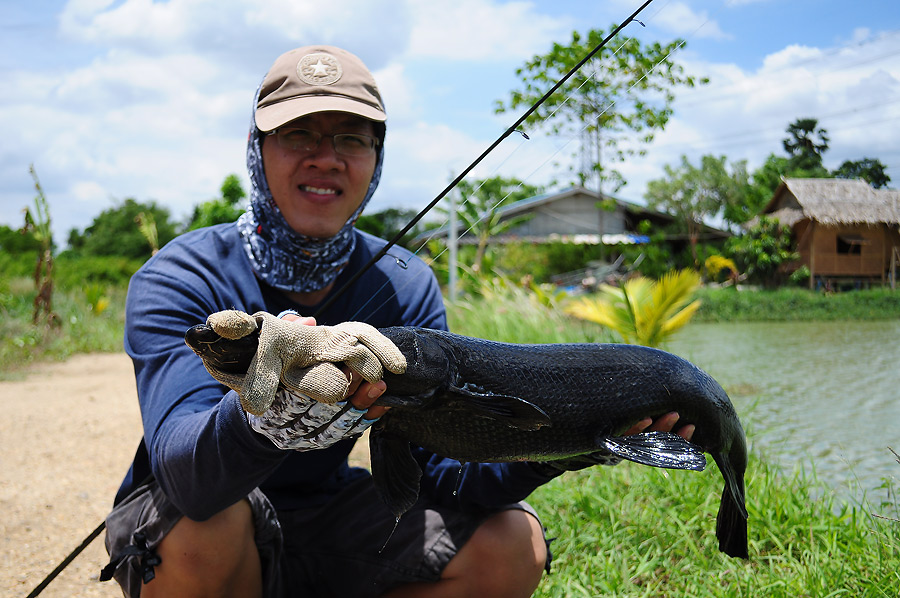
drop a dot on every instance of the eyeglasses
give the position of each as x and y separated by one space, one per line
304 140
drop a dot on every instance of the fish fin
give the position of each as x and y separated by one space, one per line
731 522
395 473
507 409
734 484
656 449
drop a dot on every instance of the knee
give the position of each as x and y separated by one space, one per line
215 553
518 539
509 554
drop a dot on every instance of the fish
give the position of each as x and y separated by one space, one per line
477 400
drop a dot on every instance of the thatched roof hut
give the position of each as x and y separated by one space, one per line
833 201
843 228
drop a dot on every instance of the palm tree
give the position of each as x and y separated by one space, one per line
642 311
806 143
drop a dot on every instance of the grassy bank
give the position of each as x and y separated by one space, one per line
88 320
512 314
632 531
729 305
625 531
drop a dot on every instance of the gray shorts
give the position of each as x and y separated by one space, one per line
348 547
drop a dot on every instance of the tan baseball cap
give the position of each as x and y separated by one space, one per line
317 79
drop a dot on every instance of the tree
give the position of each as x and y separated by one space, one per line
16 242
767 178
870 170
611 99
803 162
226 208
806 144
762 250
694 194
478 211
116 231
387 223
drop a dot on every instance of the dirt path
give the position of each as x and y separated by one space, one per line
68 432
67 436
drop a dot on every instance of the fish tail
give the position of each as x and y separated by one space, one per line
731 522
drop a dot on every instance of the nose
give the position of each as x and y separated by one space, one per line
324 156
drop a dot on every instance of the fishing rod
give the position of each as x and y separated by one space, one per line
391 243
509 131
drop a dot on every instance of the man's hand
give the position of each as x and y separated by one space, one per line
297 422
665 423
303 359
361 392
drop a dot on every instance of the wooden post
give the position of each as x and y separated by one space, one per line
812 255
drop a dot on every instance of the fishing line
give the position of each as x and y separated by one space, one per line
593 76
477 161
384 251
523 181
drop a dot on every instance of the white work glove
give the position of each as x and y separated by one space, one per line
297 422
302 358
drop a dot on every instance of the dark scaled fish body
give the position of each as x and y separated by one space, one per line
482 401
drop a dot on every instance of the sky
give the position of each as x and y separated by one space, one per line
151 100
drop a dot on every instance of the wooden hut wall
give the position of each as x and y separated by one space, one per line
849 250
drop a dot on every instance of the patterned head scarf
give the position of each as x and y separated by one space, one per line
281 257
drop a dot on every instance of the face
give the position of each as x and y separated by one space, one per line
318 190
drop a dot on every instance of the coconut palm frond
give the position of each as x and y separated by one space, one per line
643 311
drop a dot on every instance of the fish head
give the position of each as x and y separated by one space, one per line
428 364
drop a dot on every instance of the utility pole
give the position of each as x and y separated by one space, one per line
452 241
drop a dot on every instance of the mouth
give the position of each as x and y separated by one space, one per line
323 191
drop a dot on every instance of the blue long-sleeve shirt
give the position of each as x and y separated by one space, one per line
197 442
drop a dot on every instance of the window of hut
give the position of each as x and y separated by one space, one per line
850 244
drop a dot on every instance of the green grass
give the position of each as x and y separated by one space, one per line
626 531
512 314
729 305
79 328
631 531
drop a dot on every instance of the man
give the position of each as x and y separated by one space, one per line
247 505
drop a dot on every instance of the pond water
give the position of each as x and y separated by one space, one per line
821 395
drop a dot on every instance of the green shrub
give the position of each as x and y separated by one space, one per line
73 272
16 265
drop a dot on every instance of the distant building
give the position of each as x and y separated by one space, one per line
577 215
845 230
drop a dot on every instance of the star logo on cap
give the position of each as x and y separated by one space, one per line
319 69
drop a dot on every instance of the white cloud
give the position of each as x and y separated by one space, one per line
861 34
242 33
853 91
481 29
159 108
681 19
398 94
